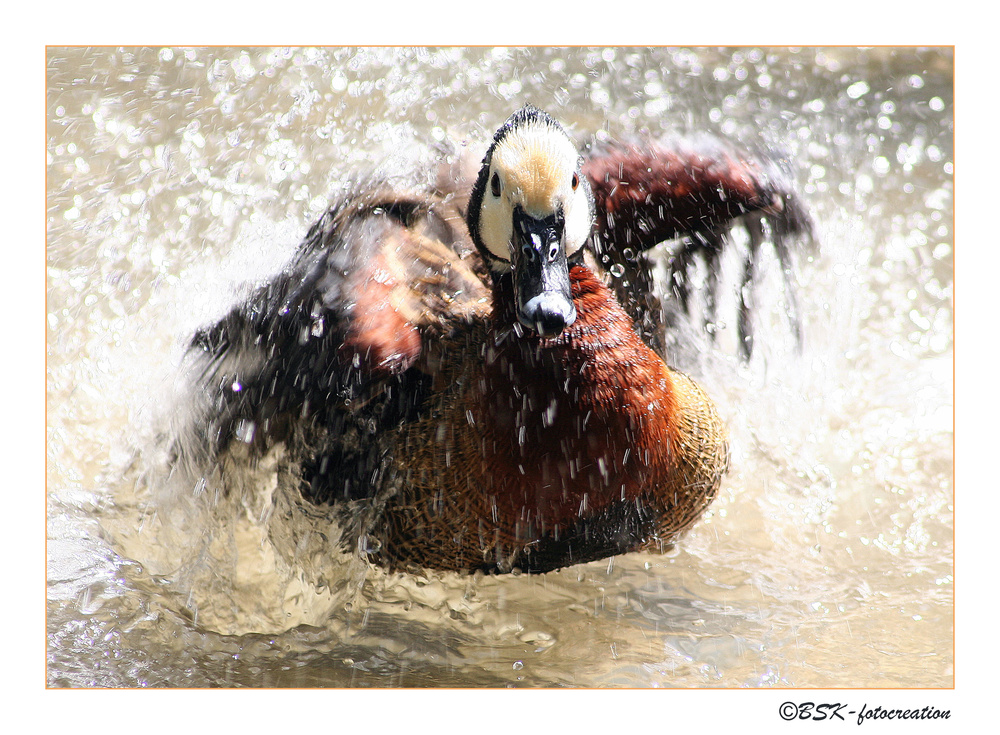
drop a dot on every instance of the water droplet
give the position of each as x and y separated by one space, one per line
617 270
518 666
857 89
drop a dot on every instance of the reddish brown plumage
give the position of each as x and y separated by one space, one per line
647 194
543 452
380 336
411 282
578 421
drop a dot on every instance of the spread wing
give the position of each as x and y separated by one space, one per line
377 278
695 190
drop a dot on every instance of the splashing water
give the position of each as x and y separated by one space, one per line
178 179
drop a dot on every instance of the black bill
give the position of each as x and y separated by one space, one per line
541 274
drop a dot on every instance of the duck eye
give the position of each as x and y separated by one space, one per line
495 185
575 182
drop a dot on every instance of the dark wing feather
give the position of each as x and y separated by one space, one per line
340 334
694 190
646 194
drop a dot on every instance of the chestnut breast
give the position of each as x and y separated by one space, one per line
570 424
544 452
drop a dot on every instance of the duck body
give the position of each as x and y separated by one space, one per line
555 450
475 396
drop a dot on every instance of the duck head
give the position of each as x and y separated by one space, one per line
530 212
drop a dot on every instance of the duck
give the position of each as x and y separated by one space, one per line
455 371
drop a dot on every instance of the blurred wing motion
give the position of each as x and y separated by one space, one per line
335 345
693 190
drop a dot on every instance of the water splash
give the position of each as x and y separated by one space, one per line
185 176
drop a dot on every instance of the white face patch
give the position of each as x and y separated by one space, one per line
534 166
